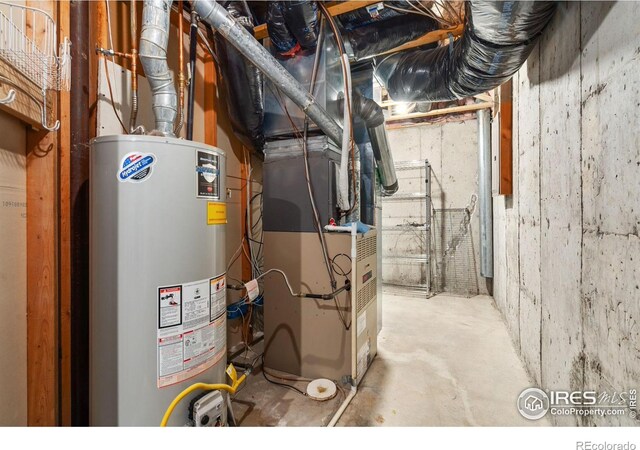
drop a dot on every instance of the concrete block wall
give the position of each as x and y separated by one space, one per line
452 150
567 247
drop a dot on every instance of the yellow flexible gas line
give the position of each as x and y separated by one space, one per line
235 383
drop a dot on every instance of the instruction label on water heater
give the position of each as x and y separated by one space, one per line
191 328
208 174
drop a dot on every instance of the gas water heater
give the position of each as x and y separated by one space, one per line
158 303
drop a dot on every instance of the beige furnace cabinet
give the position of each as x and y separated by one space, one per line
307 337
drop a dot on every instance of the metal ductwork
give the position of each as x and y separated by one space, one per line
154 38
244 86
373 117
220 19
498 38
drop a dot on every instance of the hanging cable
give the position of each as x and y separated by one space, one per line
305 152
193 50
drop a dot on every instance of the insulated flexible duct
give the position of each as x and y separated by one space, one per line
373 117
243 83
380 37
498 38
292 25
154 38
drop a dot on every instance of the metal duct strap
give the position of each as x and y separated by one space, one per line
154 38
498 38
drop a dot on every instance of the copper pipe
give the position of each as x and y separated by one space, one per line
134 68
181 77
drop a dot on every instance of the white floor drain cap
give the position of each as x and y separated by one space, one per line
322 389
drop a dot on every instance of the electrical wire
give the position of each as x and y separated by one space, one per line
323 244
284 385
342 272
347 98
106 68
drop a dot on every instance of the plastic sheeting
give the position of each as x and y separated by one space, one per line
292 23
498 38
243 83
382 36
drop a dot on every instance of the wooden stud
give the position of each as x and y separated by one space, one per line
42 272
440 112
210 106
506 147
429 38
64 176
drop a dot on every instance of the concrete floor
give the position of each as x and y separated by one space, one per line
445 361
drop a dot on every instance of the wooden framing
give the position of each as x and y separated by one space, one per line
505 186
64 177
440 112
429 38
43 225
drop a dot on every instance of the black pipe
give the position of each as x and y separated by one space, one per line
79 193
498 38
346 287
193 50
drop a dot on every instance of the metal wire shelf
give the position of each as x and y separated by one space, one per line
28 42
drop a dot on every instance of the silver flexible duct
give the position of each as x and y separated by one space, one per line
373 117
216 16
154 38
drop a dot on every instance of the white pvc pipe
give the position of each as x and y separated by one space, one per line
344 405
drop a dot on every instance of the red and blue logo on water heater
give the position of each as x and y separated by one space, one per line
136 167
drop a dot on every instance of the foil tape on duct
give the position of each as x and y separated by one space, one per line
498 38
243 83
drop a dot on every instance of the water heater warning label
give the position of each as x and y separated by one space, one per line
191 328
208 174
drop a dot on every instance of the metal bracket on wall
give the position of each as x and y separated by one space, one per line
11 96
29 43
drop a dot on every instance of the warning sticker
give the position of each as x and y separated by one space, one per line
208 170
216 213
218 296
170 306
191 334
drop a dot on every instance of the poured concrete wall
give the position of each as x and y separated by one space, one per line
567 248
452 150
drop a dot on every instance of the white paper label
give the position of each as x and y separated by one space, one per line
362 323
363 360
252 289
191 329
